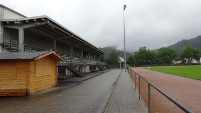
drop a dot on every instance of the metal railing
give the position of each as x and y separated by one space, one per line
178 104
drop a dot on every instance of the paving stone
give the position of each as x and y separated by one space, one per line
124 98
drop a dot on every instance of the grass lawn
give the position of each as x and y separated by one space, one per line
185 71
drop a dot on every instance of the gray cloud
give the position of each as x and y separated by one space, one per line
150 23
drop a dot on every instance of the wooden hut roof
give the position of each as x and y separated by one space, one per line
29 55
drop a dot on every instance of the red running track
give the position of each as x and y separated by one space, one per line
185 90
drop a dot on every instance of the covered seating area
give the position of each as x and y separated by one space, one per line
41 33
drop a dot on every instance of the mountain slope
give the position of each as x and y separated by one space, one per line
109 49
196 42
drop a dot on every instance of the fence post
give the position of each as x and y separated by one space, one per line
182 107
139 87
135 81
149 97
131 73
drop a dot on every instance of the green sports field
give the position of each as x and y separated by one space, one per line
185 71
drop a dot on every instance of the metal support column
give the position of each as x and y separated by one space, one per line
89 57
71 52
54 44
81 53
1 37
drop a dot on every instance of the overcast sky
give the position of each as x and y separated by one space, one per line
150 23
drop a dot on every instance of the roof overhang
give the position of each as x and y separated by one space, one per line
30 55
51 29
52 54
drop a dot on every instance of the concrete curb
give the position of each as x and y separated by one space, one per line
95 75
79 81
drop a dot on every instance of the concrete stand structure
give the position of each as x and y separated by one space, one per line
19 33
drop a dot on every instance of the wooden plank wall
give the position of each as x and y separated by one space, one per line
13 77
22 77
43 74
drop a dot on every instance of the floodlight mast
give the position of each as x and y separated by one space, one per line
124 8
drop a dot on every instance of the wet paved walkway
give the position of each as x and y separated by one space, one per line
81 79
124 98
111 92
86 97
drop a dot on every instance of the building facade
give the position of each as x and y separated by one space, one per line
19 33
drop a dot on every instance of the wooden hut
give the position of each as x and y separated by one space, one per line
25 73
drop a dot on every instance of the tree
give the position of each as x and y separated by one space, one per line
153 56
190 53
166 55
114 57
130 61
102 58
144 56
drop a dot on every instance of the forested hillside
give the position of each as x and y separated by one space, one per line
196 42
179 46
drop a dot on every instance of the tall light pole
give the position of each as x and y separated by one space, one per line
124 7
